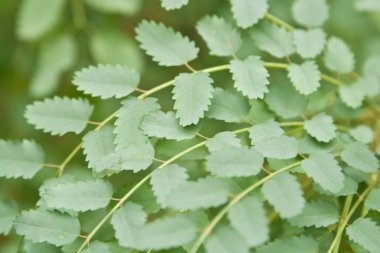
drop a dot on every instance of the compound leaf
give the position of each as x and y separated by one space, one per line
249 12
305 77
366 233
338 57
360 157
321 127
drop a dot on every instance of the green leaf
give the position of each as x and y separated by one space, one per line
29 247
45 226
358 156
282 147
310 13
204 193
253 228
166 46
226 240
250 76
165 125
309 43
353 95
97 247
20 159
338 56
173 4
234 162
305 77
366 233
59 115
373 200
284 193
317 213
107 81
129 7
167 233
264 131
37 17
321 127
167 179
273 40
248 12
228 106
301 244
222 140
78 196
127 222
221 38
8 212
192 95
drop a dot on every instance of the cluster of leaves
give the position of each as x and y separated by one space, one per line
293 168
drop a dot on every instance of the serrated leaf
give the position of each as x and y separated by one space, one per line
8 212
31 25
282 147
338 56
129 7
321 127
221 38
248 12
373 200
165 180
264 131
222 140
107 81
234 162
173 4
204 193
20 159
78 196
227 106
59 115
318 214
358 156
46 226
324 169
365 232
226 240
301 244
165 125
309 43
30 247
97 247
192 95
250 76
284 193
166 46
350 187
305 77
253 228
353 95
310 13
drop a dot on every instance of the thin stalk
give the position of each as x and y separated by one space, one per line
279 22
346 209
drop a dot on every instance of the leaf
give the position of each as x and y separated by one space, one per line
360 157
264 131
45 226
192 95
127 221
310 13
227 106
305 77
129 7
234 162
222 140
273 40
338 57
366 233
321 127
204 193
29 247
59 115
8 212
37 17
107 81
173 4
250 76
253 228
301 244
97 247
353 95
20 159
248 12
284 193
324 169
166 46
221 38
309 43
316 213
226 240
282 147
373 200
78 196
167 233
165 125
167 179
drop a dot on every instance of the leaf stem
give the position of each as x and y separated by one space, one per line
346 209
279 22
